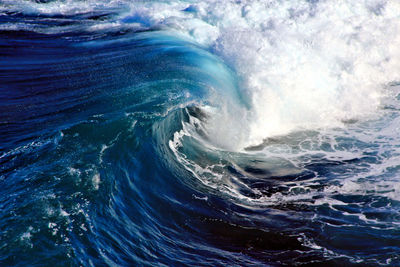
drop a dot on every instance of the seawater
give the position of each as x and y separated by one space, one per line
210 133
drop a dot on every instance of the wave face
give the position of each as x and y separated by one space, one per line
212 133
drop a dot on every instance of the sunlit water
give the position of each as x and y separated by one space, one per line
212 133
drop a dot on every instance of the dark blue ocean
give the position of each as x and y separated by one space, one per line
210 133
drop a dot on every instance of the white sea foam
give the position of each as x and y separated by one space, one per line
62 7
303 64
96 181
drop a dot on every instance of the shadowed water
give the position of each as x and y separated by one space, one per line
142 134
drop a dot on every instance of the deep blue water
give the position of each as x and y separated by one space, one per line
105 157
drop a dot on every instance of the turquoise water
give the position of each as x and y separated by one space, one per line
207 134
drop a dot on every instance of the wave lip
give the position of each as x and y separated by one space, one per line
180 132
303 65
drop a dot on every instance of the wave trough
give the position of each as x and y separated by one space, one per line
209 133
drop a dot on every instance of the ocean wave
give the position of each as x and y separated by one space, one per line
208 133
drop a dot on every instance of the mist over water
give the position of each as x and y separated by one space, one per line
207 133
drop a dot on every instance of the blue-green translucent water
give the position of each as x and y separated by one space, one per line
117 147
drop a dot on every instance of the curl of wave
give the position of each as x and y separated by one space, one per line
247 127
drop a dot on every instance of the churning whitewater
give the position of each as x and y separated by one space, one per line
208 133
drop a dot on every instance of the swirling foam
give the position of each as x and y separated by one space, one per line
303 65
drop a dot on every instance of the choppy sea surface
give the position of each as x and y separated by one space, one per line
199 133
